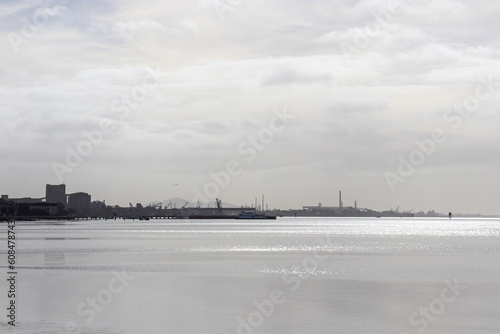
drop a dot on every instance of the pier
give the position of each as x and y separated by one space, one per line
38 218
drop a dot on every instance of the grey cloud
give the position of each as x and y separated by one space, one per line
353 119
290 77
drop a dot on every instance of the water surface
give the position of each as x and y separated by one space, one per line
292 275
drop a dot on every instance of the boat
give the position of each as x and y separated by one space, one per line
252 215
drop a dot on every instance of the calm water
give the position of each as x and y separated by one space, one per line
286 276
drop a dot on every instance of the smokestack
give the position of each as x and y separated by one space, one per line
340 198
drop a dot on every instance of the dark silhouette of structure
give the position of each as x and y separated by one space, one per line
80 202
55 193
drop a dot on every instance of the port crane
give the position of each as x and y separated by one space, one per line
156 205
218 203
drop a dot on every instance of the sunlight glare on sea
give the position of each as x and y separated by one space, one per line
332 275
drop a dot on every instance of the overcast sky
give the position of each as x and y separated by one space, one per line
137 101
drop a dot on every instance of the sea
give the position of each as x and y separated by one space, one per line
289 275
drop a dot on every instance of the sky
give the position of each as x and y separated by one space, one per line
394 103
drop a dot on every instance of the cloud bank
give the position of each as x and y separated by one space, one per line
365 80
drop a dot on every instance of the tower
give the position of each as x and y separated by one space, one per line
55 193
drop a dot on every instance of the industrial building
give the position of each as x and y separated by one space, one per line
80 202
55 193
25 209
38 209
338 209
22 200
